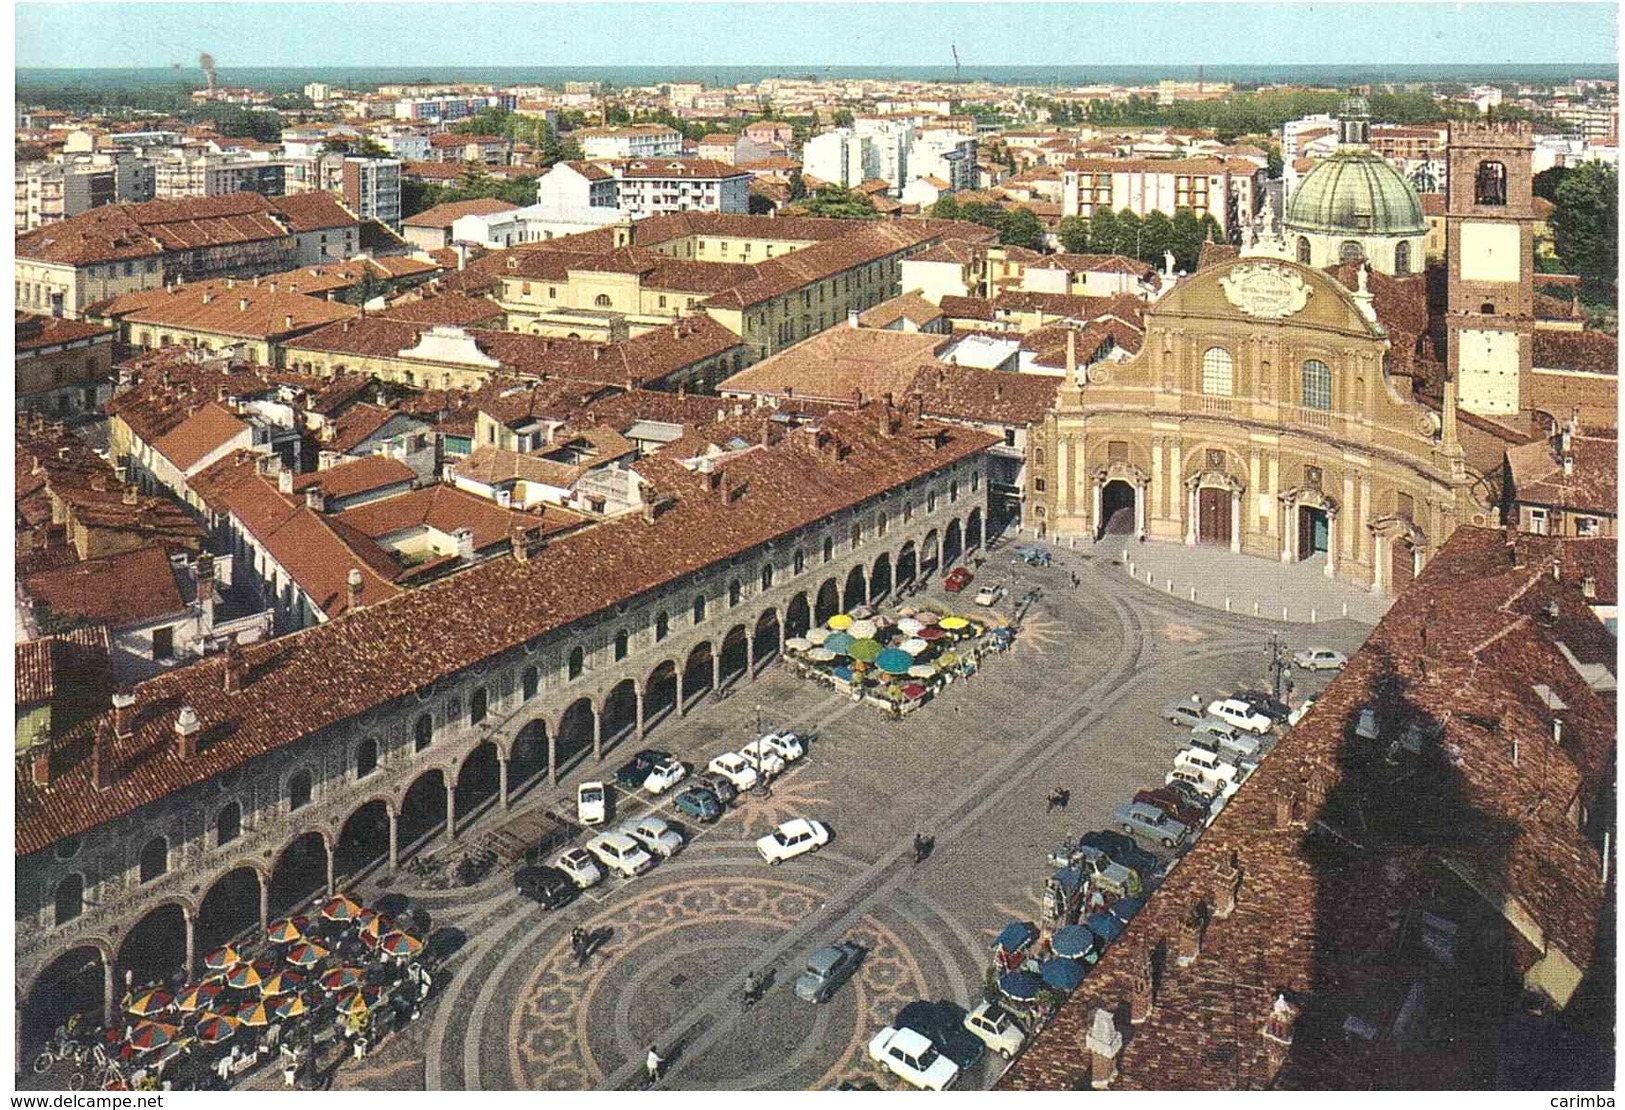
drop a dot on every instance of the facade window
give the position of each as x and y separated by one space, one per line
1303 250
623 643
601 301
1009 437
1117 451
1038 484
154 859
1538 522
1587 526
735 592
454 712
829 549
662 627
299 788
70 898
1350 251
1490 184
931 501
699 609
530 680
857 535
767 576
1402 259
799 562
423 729
1218 371
366 757
975 480
1317 385
228 826
953 492
479 703
578 662
882 522
163 642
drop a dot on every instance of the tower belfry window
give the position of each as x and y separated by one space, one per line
1490 184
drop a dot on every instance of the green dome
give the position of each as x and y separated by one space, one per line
1355 192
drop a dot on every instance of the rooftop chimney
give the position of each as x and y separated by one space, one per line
1228 886
1104 1043
39 758
132 493
287 321
852 318
353 582
235 668
1277 1032
242 304
1588 588
123 715
465 543
187 727
1568 464
315 499
284 480
1190 934
1142 997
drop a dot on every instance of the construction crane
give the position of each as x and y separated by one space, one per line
955 48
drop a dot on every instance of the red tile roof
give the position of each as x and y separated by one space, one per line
356 476
1536 470
34 332
1591 352
841 364
194 438
131 588
237 309
444 215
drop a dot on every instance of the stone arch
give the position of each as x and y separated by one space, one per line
422 809
660 693
479 779
930 552
230 908
953 544
797 615
857 589
620 712
154 950
74 982
577 726
299 871
734 657
527 755
973 530
530 681
908 564
829 601
880 577
764 641
699 674
154 858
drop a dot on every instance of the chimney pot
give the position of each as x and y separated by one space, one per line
40 764
187 727
242 304
1104 1043
354 588
284 480
123 715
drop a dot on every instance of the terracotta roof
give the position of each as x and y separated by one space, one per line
130 588
357 424
839 364
34 332
686 168
237 309
444 215
36 682
1097 264
592 171
1210 167
300 684
1591 352
967 308
194 438
73 664
441 308
316 210
332 277
356 476
905 306
494 466
446 509
987 396
450 139
957 251
1536 470
129 231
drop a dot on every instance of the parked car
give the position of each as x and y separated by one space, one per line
736 768
580 866
700 804
1183 713
991 1024
1150 822
665 775
1234 711
620 854
787 745
1175 805
549 887
1297 714
590 805
634 771
1101 871
944 1024
1216 731
957 579
827 969
1208 765
763 757
1033 555
1124 850
794 837
989 595
1193 780
1266 703
1197 796
1320 659
912 1057
720 785
654 834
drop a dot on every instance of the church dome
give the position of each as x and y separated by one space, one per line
1355 192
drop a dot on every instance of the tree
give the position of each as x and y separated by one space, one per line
1188 235
1157 236
1585 227
1105 237
946 208
361 145
981 212
1274 164
616 114
1074 234
842 118
1547 182
798 187
841 203
1022 229
1130 241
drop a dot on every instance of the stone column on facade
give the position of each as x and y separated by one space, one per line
682 709
265 901
502 780
1235 520
1157 447
553 756
327 845
1142 510
597 736
1332 537
1096 485
451 809
1289 533
190 918
750 656
1361 515
1192 501
716 658
109 999
1379 564
394 838
637 697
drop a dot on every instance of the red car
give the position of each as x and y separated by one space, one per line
957 580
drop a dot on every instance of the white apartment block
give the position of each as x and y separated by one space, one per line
639 140
575 185
1207 186
660 186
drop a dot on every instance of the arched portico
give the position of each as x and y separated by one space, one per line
479 780
578 732
829 601
1120 488
1213 509
797 615
880 578
160 949
622 713
699 677
766 641
661 693
78 982
733 662
233 906
857 589
303 870
423 809
930 552
908 564
1398 547
973 530
953 544
528 757
1309 526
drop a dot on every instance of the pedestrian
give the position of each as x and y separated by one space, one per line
919 847
1196 698
654 1063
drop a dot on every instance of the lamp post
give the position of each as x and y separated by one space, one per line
761 788
1278 663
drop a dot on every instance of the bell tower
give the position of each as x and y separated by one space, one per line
1490 252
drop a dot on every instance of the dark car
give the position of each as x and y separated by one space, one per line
1124 850
957 580
548 887
1269 706
700 803
943 1024
635 770
827 969
1191 795
1175 805
718 785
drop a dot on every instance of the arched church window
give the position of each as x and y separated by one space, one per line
1351 251
1217 372
1402 259
1317 385
1303 249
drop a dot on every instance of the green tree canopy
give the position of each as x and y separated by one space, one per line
1585 227
1074 234
946 208
1104 234
1022 229
839 202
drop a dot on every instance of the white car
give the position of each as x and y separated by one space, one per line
912 1058
736 768
989 595
1320 659
1234 711
620 854
666 774
1297 714
580 866
990 1024
654 834
762 755
1209 766
787 744
590 803
791 839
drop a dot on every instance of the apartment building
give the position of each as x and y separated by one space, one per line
641 140
658 187
1225 190
372 189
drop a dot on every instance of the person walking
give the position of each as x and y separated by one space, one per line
654 1063
919 847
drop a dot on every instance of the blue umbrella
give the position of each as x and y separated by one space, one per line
1020 986
1072 941
1125 908
1105 926
1063 975
839 642
1016 936
842 673
894 661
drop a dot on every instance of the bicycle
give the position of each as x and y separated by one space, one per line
63 1050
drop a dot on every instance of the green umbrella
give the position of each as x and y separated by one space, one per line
866 650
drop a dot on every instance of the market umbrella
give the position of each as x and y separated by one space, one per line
861 630
150 1035
931 632
223 959
816 636
866 650
400 945
281 983
359 1001
374 929
953 624
342 908
1020 986
949 659
151 1002
248 976
840 622
797 643
1072 941
820 655
912 690
1105 926
842 673
1016 935
840 643
926 616
198 997
893 661
215 1028
255 1014
341 978
922 670
863 612
913 645
1125 908
908 626
306 953
290 930
1063 974
294 1005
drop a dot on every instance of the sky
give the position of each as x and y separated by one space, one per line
773 34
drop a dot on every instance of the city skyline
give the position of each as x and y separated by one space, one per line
132 35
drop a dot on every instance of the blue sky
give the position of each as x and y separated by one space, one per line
289 34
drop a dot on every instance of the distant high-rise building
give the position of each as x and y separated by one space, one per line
372 188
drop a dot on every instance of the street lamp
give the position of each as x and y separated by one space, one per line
761 788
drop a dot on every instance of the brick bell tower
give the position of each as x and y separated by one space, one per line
1490 251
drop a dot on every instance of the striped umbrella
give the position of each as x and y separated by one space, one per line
151 1002
294 1005
376 929
223 959
342 908
214 1028
305 954
248 976
150 1035
255 1014
198 997
359 1001
400 945
290 930
341 978
281 983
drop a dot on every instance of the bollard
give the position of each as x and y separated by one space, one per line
1170 585
1255 608
1125 554
1227 605
1283 612
1311 614
1345 608
1193 593
1131 570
